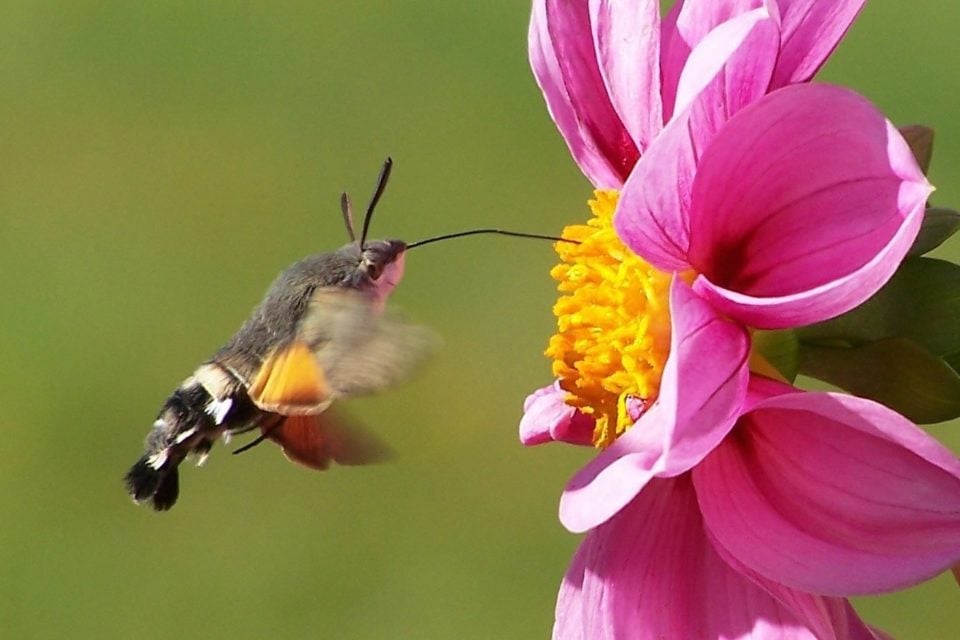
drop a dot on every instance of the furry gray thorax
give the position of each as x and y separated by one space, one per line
374 271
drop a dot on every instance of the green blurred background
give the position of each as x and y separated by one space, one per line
162 161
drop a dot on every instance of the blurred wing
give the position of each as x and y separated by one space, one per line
360 350
291 382
315 441
344 347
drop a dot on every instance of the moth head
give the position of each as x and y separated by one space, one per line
378 266
382 260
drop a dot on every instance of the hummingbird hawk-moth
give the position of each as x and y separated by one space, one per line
318 335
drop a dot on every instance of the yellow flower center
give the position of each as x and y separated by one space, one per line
613 324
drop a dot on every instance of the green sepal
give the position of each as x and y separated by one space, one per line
921 303
781 349
895 372
901 347
920 140
953 359
938 225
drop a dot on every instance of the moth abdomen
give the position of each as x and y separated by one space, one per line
207 404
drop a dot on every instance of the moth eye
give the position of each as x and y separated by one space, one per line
374 269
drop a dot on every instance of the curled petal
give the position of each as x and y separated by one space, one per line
613 478
686 25
627 38
703 388
652 213
832 494
796 218
548 418
735 62
811 31
650 573
564 62
729 69
704 382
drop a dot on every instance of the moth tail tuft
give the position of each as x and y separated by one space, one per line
168 491
160 486
142 480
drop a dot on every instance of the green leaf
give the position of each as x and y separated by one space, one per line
895 372
953 359
781 349
938 225
920 303
920 140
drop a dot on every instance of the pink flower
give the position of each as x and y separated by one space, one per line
726 499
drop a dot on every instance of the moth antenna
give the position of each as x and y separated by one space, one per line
381 185
502 232
347 208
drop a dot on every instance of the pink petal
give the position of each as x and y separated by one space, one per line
651 216
703 387
704 381
811 31
614 477
796 218
833 494
730 68
736 62
828 618
547 418
627 38
564 63
685 26
650 573
569 621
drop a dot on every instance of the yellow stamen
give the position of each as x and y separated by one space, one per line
613 323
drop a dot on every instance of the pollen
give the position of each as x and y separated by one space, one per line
613 324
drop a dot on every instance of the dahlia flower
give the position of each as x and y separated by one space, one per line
731 197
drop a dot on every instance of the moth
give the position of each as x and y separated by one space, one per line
319 334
